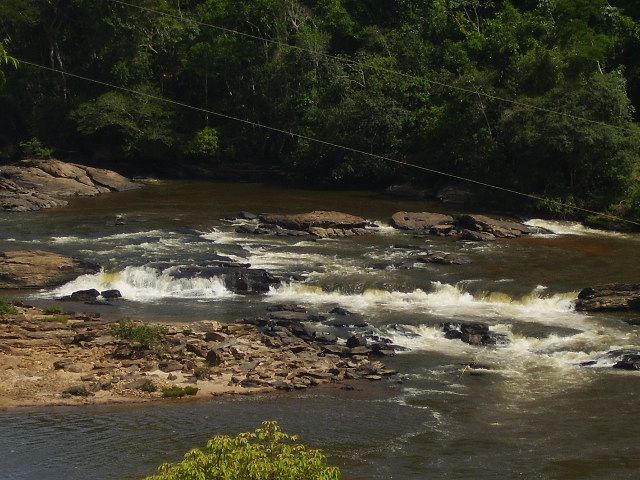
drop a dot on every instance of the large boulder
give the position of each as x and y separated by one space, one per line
499 228
37 184
610 297
318 223
38 269
417 221
478 334
318 218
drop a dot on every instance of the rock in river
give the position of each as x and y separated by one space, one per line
498 228
610 297
319 223
38 269
419 221
473 333
37 184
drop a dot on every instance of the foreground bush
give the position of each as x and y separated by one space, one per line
145 335
266 454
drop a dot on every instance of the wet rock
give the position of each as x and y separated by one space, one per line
628 362
419 221
473 333
351 321
356 341
82 296
287 316
340 311
39 269
243 216
286 308
444 259
111 294
324 337
477 236
499 228
634 322
249 280
610 297
37 184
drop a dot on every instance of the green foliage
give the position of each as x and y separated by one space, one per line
140 333
266 454
5 59
178 392
579 57
34 149
54 310
205 143
6 308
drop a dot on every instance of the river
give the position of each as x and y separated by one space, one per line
536 414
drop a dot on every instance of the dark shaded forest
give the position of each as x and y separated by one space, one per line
422 81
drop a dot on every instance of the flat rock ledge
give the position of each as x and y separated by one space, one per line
39 269
479 228
610 297
36 184
71 359
316 224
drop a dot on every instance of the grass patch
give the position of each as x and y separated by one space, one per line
266 454
178 392
57 318
136 332
6 308
54 310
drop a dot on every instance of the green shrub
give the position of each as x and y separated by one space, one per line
7 308
34 149
178 392
54 310
266 454
57 318
136 332
148 386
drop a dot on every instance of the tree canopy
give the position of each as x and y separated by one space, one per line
416 80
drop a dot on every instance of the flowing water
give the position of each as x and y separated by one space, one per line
536 414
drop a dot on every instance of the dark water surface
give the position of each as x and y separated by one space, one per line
536 415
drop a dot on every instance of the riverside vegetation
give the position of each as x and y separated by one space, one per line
579 57
268 453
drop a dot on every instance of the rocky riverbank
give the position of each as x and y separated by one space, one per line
38 184
53 358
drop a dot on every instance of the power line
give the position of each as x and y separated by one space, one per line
326 143
376 67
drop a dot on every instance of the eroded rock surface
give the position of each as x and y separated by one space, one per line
420 221
317 224
37 184
610 297
38 269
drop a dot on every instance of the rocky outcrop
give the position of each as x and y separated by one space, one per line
610 297
407 191
499 228
84 359
318 224
420 221
479 228
36 184
477 334
38 269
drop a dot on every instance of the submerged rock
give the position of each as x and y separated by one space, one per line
610 297
82 296
473 334
37 184
39 269
441 258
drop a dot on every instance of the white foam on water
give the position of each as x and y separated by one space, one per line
443 300
559 227
144 284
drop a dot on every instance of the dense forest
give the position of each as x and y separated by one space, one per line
470 87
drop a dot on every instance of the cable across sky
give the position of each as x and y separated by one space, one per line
362 65
325 142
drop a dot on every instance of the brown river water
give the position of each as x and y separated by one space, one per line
537 414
